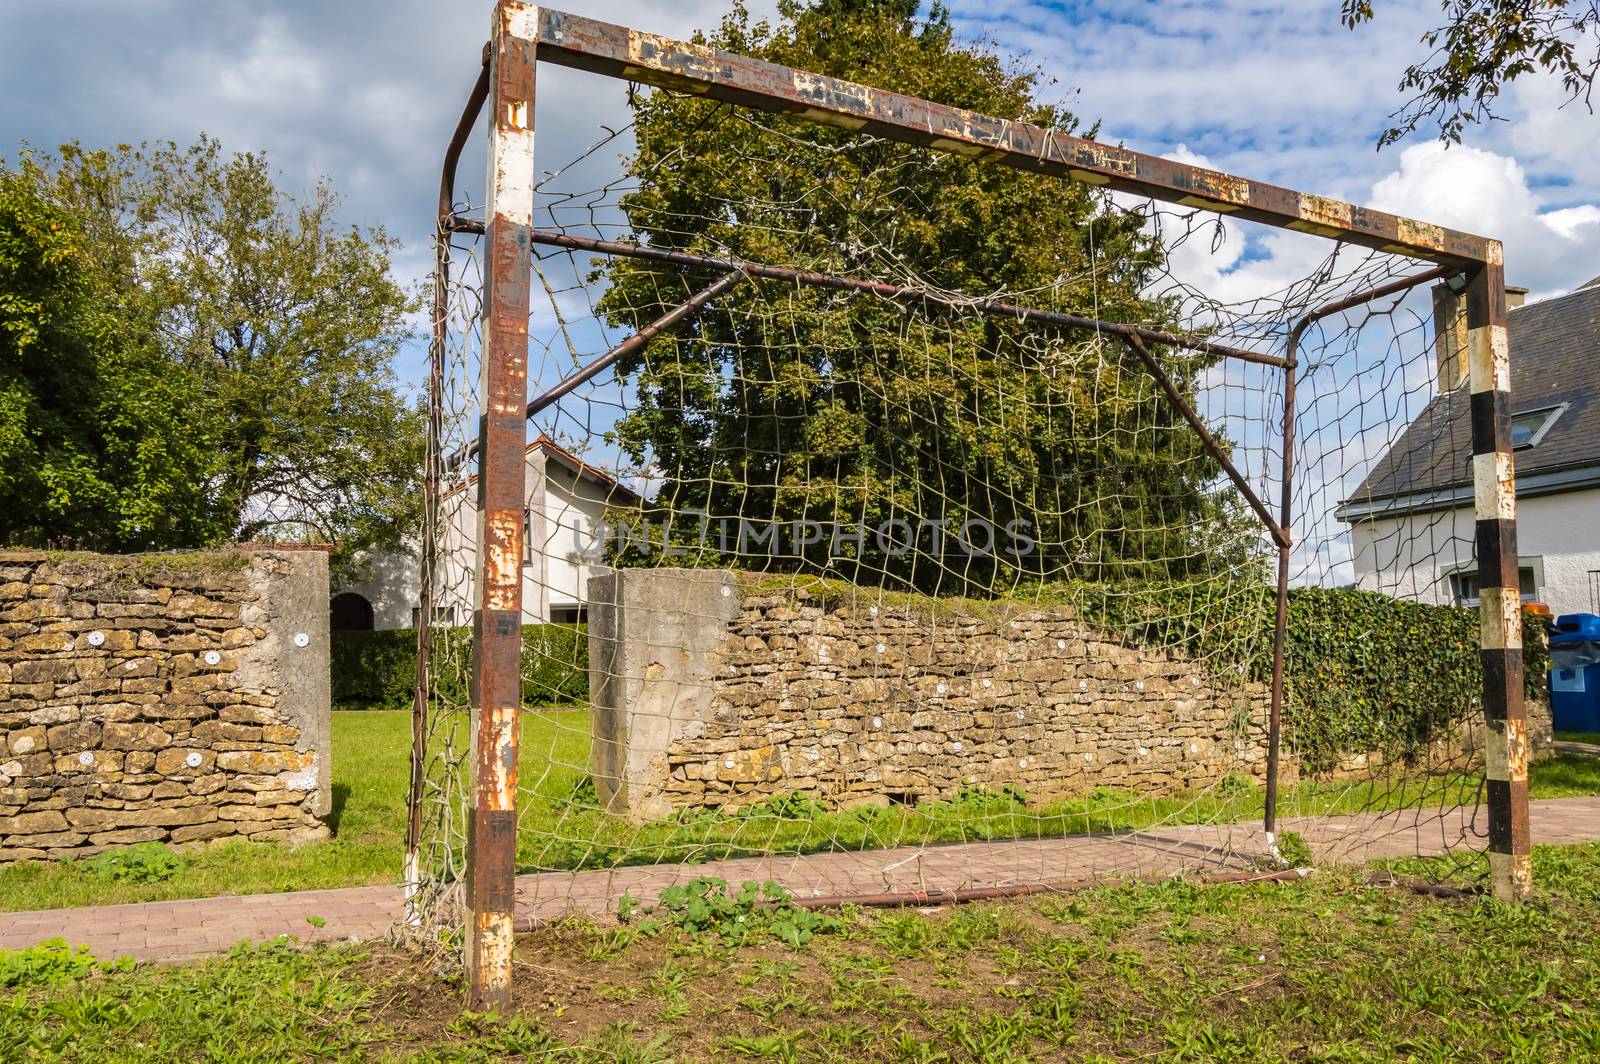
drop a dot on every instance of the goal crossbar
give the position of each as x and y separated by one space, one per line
522 35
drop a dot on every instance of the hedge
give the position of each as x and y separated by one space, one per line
378 670
1364 672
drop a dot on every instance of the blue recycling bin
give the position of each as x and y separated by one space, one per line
1575 673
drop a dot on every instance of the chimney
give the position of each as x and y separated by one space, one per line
1450 331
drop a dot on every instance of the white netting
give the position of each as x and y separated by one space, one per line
990 592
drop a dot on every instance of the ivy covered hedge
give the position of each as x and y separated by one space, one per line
377 670
1365 672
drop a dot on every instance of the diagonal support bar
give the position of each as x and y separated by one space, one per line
637 340
624 349
1212 444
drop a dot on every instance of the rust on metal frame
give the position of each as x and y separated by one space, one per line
1280 627
497 621
433 468
604 48
898 293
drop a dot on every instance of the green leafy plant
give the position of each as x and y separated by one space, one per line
707 906
144 862
1294 850
50 962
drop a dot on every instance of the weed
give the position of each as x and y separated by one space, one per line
705 905
1294 850
48 963
782 1047
143 862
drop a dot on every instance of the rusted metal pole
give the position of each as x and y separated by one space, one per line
1212 445
423 693
497 620
1499 587
994 308
1280 626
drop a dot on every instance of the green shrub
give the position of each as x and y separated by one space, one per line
378 670
1364 672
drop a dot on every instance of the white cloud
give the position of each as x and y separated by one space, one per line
1548 250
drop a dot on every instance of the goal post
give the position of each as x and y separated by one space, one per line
524 36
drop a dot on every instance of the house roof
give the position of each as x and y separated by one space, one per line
615 490
1555 361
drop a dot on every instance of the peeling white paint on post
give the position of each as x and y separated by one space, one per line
497 637
1499 593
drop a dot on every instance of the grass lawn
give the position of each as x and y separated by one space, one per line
562 829
1590 737
1328 969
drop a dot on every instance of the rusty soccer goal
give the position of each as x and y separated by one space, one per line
910 574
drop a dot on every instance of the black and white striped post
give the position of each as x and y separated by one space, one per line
1499 589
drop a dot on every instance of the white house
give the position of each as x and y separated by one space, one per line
1411 520
567 500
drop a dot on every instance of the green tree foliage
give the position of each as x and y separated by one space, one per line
1482 45
102 442
789 403
281 320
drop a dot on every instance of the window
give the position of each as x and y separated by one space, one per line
1464 582
568 615
442 615
1527 429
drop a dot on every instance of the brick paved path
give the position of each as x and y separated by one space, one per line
175 930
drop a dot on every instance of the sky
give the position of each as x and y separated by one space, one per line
366 94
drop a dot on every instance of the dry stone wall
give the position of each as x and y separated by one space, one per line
172 698
868 702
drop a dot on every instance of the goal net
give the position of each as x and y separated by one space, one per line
903 524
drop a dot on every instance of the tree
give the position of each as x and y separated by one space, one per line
102 443
1482 45
283 320
788 404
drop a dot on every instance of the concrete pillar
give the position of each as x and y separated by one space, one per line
292 658
655 645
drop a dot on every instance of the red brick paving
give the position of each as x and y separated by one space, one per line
178 930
